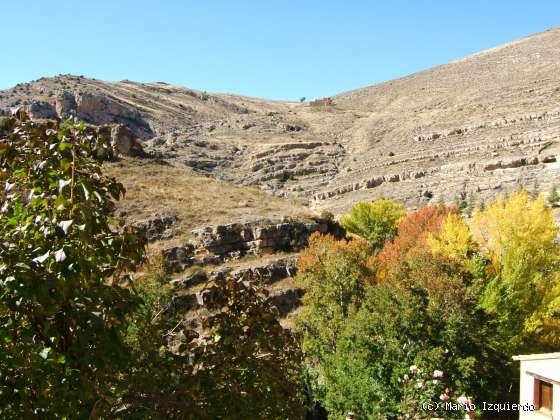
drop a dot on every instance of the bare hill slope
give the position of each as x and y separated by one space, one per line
472 128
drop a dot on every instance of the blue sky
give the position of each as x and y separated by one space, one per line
275 49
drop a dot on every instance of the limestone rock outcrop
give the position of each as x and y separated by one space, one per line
65 105
270 273
40 110
217 244
101 109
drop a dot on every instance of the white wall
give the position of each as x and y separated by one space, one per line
547 369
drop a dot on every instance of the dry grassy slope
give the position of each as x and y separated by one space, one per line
154 189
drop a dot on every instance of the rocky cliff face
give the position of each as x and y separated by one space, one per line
261 251
222 243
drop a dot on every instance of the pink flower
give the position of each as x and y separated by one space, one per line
413 369
420 385
444 397
438 374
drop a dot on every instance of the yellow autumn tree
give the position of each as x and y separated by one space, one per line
518 235
544 323
517 227
454 240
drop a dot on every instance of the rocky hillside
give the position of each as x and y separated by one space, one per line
470 129
477 126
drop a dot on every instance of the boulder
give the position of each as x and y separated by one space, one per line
122 140
158 227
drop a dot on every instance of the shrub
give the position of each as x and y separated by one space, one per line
240 363
553 197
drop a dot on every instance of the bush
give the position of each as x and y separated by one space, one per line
554 198
240 363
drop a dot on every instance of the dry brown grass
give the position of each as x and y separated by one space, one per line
156 188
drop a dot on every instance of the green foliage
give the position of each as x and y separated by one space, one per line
333 274
153 372
422 315
374 221
62 309
252 365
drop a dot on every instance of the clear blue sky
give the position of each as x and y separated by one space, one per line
275 49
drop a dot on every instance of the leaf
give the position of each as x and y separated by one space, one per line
41 259
9 186
86 192
64 145
59 256
60 203
65 225
63 183
45 352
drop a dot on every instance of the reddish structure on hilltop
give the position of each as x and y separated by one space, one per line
322 102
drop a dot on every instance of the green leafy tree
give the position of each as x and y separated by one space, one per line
62 308
422 315
334 275
375 221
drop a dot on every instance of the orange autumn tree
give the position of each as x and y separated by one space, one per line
411 237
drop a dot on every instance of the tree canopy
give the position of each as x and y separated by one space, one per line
62 264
